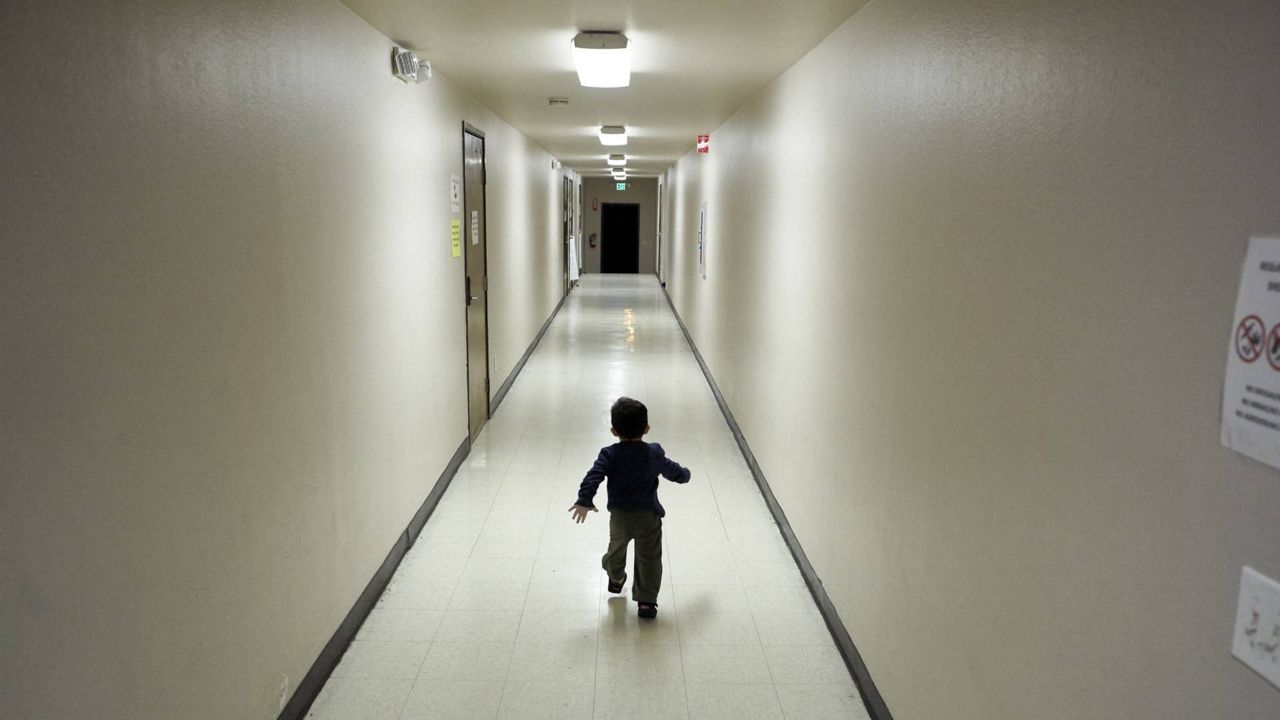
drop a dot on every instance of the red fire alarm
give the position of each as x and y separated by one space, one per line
704 144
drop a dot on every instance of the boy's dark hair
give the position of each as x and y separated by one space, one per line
629 418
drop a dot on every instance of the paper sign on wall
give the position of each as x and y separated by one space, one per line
475 227
455 237
455 193
1251 392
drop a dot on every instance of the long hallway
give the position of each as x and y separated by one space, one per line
500 608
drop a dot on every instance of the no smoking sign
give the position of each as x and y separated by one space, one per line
1253 340
1249 334
1273 348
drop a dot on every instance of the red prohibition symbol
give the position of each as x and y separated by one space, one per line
1249 337
1273 348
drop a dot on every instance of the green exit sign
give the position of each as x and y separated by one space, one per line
622 186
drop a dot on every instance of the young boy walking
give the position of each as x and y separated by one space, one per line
633 467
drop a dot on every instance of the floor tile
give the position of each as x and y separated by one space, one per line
733 701
713 597
434 568
453 700
755 573
836 701
557 625
803 664
417 593
627 700
479 626
370 659
390 624
466 661
620 625
502 569
648 663
444 546
566 597
804 629
725 664
547 701
781 600
360 699
566 571
699 628
506 594
571 660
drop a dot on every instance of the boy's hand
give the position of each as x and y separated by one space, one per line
580 513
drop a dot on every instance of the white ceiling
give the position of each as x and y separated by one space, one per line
693 63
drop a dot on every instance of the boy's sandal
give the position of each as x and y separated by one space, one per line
616 587
647 610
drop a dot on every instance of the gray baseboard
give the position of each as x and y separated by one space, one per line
314 680
875 704
499 396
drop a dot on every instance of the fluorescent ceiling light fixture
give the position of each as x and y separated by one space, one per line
617 160
603 59
613 135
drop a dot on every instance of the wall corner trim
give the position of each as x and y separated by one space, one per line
875 705
309 688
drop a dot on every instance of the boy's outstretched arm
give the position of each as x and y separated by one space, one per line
587 490
670 469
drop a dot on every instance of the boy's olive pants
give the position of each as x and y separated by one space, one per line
645 527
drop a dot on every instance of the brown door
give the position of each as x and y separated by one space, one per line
477 282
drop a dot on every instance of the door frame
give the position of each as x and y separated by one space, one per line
469 129
567 209
657 261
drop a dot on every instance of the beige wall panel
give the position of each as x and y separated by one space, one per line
525 245
640 191
232 363
972 268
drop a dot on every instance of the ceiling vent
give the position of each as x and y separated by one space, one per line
558 101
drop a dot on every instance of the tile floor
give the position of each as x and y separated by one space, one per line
500 608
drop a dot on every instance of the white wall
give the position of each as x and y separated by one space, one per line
525 244
971 281
596 192
232 360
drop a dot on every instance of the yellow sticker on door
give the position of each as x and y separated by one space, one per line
455 237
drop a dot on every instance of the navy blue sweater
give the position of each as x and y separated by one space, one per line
633 467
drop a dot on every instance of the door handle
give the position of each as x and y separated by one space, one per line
469 297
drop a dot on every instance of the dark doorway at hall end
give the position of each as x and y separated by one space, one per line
620 238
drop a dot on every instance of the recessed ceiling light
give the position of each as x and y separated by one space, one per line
603 59
617 160
613 135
